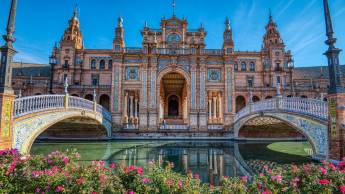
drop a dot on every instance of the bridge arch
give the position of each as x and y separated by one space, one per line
33 115
307 116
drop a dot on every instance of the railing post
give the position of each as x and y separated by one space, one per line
66 99
94 100
279 98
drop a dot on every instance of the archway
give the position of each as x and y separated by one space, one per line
76 95
304 96
173 106
89 97
104 100
240 103
268 97
173 98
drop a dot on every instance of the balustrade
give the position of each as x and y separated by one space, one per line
33 104
310 107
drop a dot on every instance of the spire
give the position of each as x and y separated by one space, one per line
73 33
332 54
75 12
119 22
9 38
328 19
174 7
146 25
270 16
227 23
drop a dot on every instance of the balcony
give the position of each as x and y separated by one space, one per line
278 69
90 86
212 52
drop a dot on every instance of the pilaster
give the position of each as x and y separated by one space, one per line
6 120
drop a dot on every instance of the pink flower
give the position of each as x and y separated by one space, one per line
196 176
267 191
80 181
146 180
66 160
331 166
130 192
295 181
77 155
323 170
37 190
169 182
112 165
342 189
261 175
244 179
94 192
140 171
12 166
324 182
59 189
180 184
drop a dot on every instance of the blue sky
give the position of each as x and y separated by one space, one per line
301 23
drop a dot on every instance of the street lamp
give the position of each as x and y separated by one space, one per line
52 62
291 65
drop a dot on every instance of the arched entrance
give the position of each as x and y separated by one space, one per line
89 97
173 106
256 99
173 98
240 103
104 100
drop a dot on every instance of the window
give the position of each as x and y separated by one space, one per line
252 66
110 64
95 80
236 67
278 80
250 82
65 65
229 50
102 64
277 53
117 47
93 64
243 66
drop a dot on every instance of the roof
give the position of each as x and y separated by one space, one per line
30 69
313 72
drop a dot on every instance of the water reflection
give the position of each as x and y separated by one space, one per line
210 159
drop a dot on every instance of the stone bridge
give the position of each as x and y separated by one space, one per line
308 116
33 115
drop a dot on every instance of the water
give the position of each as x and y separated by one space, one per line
210 159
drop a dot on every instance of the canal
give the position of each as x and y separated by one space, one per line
210 159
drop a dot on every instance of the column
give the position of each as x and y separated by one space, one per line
214 108
131 100
125 108
136 109
209 109
220 109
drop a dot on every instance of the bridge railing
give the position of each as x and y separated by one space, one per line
33 104
310 107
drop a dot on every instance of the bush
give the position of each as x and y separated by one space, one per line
60 173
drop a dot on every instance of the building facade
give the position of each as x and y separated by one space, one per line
173 81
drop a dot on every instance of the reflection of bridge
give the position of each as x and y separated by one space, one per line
34 114
308 116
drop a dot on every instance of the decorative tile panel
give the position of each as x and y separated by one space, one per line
132 73
229 89
153 88
193 101
214 75
144 89
116 88
202 89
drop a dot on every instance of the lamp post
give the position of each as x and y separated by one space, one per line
291 65
52 62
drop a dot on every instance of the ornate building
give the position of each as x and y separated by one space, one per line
173 81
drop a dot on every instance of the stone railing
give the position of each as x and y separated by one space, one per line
309 107
32 104
173 127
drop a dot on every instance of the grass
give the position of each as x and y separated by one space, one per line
293 148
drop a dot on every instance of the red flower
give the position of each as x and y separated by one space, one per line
80 181
59 189
323 170
140 170
342 189
66 160
324 181
180 184
267 191
112 165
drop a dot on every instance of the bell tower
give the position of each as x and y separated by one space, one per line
119 40
228 44
73 35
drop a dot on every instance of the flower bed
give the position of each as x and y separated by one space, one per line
61 173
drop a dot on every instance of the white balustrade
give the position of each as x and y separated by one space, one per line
33 104
304 106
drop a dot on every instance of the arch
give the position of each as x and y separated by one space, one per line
243 66
93 64
28 128
89 97
304 96
38 94
289 96
104 100
252 66
240 103
314 131
76 95
268 97
256 99
102 64
325 99
110 64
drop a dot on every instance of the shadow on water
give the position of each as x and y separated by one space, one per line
210 159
